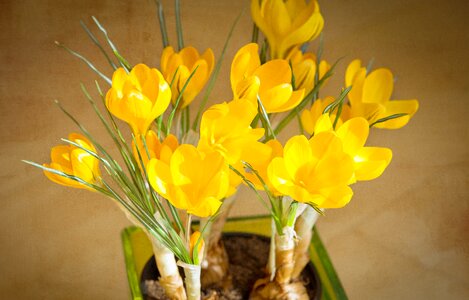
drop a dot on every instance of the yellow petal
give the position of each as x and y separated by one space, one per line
351 72
324 123
248 89
159 176
165 56
325 143
273 73
336 197
409 107
297 151
353 134
370 162
245 62
378 86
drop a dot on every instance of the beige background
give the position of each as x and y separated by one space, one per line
403 236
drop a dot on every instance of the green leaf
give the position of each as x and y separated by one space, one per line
86 61
179 25
162 21
98 44
394 116
214 76
173 112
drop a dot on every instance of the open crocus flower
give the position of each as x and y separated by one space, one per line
226 128
369 162
315 171
74 161
177 67
309 117
287 24
304 68
270 81
191 180
139 97
154 148
370 97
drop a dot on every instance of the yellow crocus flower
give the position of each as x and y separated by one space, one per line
309 117
315 171
74 161
370 97
180 65
156 149
304 68
191 180
270 81
369 162
226 128
139 97
287 24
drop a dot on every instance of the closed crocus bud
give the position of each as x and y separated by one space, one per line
197 237
74 161
178 66
139 97
287 24
370 97
272 80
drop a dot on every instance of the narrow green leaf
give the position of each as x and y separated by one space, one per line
162 21
119 57
86 61
294 112
265 120
394 116
255 33
173 112
214 76
179 25
98 44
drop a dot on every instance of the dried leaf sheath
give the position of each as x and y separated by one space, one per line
282 287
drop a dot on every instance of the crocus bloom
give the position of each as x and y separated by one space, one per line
287 24
139 97
309 117
370 97
270 81
369 162
226 128
74 161
304 68
315 171
177 67
191 180
154 148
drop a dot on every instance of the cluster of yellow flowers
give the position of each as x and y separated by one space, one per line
196 174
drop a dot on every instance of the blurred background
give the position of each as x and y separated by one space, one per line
403 236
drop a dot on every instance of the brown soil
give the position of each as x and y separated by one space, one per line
248 257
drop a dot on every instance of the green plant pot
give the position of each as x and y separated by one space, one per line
138 250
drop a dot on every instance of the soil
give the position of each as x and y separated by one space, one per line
248 256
